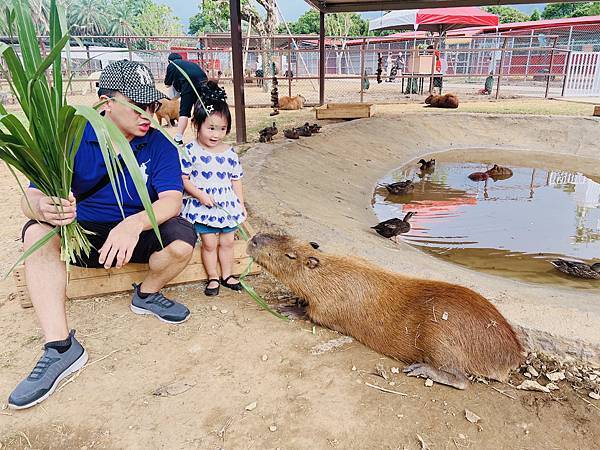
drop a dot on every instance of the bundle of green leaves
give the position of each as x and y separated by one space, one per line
44 148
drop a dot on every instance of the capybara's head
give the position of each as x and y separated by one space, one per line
428 99
288 259
302 99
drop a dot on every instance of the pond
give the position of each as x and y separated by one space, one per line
512 227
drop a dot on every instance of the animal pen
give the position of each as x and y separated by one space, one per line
519 64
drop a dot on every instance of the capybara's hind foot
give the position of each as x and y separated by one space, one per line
453 378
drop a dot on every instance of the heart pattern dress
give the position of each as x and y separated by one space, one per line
213 174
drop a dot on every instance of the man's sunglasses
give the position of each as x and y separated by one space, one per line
148 107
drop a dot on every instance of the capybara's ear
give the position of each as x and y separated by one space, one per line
312 262
314 245
291 255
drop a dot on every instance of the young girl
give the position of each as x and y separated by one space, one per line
214 199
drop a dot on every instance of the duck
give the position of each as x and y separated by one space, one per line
400 188
499 173
266 134
304 130
393 227
314 128
291 134
479 176
427 166
578 269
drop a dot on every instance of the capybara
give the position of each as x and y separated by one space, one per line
478 176
444 331
169 110
296 102
442 101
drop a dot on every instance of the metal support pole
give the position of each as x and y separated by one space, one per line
362 71
550 68
128 41
238 75
566 73
321 58
500 68
289 67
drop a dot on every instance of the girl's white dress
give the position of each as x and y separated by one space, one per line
212 173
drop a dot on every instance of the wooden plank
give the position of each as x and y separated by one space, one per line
597 110
85 282
344 111
121 282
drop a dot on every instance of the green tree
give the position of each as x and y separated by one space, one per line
213 17
587 9
535 15
88 17
338 24
157 20
559 10
507 14
122 16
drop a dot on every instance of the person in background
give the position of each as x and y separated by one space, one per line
178 81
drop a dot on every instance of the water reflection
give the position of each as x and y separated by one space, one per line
511 226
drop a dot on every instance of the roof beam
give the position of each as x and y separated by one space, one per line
379 5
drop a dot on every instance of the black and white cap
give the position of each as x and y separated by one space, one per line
132 79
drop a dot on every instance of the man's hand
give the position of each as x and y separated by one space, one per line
57 211
120 243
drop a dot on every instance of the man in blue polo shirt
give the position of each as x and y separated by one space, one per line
116 240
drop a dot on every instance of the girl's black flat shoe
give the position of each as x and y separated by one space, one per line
233 286
211 292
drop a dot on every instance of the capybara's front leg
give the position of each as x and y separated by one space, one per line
453 378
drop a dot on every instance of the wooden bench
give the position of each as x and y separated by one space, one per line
91 282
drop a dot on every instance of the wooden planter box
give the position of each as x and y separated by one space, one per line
91 282
344 111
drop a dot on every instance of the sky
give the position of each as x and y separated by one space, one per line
291 9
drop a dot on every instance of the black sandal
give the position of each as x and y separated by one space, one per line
233 286
211 292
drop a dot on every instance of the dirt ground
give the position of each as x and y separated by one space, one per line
233 376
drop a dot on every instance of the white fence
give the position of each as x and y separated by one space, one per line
583 75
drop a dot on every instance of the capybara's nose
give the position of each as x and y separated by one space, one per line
261 239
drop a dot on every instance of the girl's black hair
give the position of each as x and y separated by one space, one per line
214 99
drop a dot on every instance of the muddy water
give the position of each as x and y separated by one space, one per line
511 227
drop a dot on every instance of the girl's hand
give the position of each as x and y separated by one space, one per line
206 199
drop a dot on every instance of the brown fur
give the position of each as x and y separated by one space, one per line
169 110
442 101
395 315
288 103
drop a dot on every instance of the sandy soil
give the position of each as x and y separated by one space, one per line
150 385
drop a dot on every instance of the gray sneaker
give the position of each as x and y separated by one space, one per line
158 305
47 374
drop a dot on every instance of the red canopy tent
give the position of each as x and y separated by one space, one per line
435 20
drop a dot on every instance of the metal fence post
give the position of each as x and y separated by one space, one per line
566 73
500 68
128 41
550 68
362 71
289 67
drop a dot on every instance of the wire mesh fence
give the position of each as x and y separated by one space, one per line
372 69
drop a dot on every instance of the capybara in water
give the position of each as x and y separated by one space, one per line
442 101
478 176
169 110
296 102
444 331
